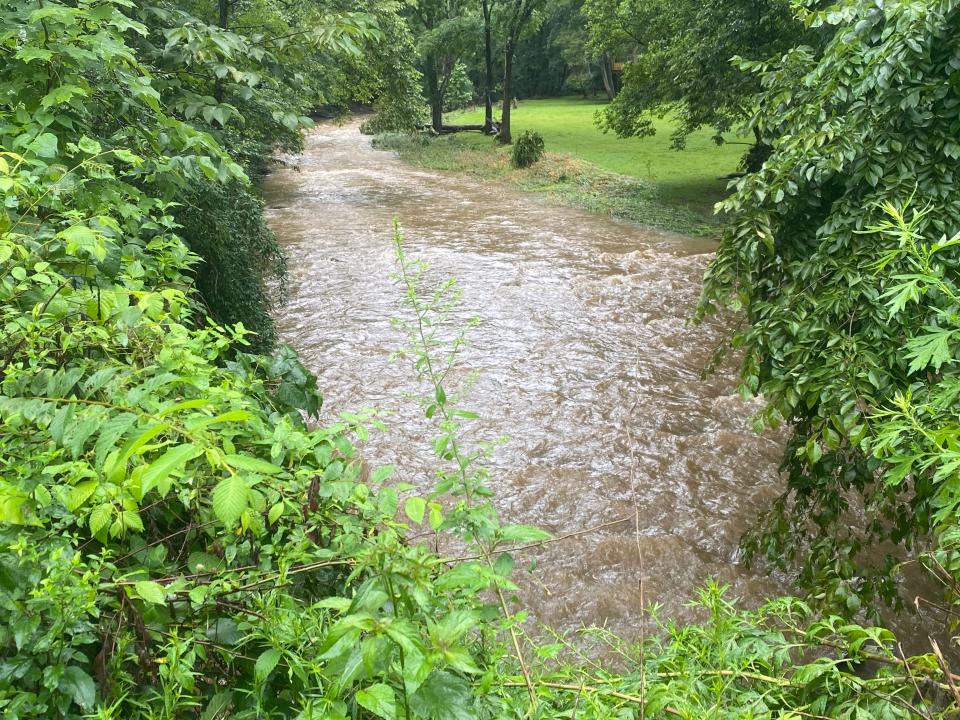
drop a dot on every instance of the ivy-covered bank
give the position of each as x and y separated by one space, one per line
176 540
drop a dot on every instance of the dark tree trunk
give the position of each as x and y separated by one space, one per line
488 61
505 137
433 93
758 153
223 20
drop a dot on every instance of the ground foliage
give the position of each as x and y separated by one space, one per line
178 539
841 255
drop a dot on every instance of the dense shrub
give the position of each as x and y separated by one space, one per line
527 149
834 340
242 268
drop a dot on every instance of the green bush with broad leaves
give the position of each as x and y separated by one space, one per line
846 322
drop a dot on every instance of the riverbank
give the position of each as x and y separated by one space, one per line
565 180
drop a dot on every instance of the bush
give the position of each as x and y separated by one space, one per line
242 266
527 149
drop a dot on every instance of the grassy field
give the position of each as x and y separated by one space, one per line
683 178
561 178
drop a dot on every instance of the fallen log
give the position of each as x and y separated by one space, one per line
451 129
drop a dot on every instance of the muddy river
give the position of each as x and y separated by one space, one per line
584 360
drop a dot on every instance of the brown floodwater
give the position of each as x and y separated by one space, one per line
584 360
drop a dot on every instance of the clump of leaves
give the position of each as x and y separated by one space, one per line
527 149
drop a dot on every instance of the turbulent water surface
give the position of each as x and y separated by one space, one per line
584 360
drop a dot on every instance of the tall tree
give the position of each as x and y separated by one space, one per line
487 7
679 56
447 33
517 18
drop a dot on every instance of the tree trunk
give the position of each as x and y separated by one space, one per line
223 11
505 136
433 93
488 60
609 82
758 153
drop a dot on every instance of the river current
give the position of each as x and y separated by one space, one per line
584 359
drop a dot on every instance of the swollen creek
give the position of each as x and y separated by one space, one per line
584 359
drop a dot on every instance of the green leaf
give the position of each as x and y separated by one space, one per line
114 429
275 512
82 237
81 493
161 468
44 145
415 507
89 146
61 94
930 349
504 564
217 706
231 497
435 518
381 474
266 663
380 700
151 592
79 685
522 534
246 462
444 696
100 518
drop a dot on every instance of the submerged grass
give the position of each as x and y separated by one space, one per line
564 179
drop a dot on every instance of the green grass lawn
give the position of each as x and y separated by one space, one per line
685 178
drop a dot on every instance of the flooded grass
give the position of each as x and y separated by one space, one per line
564 179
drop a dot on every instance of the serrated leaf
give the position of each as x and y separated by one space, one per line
444 696
275 512
252 464
100 518
114 429
523 534
150 591
81 493
381 474
380 700
266 663
931 349
231 416
44 145
435 518
60 421
217 706
231 497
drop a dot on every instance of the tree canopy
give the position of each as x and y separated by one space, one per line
679 59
